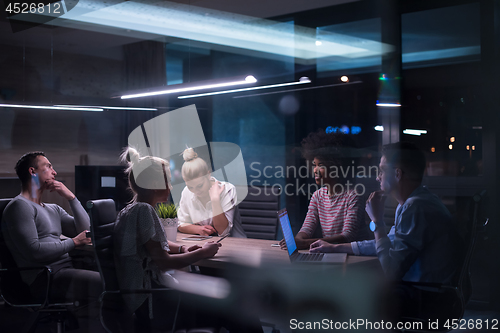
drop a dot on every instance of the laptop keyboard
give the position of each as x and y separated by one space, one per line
310 256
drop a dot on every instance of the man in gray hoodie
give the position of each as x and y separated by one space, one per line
32 231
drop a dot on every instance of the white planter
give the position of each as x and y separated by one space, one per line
170 227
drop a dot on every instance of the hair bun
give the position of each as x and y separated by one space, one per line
133 155
189 154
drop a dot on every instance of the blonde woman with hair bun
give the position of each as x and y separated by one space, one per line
207 206
141 250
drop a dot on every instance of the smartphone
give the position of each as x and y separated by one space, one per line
222 238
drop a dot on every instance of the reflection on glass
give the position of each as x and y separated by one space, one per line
366 33
443 39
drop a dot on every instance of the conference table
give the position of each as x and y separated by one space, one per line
257 275
256 252
252 252
261 277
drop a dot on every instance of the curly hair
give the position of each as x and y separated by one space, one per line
330 148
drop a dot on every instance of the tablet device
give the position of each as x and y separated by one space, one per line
196 238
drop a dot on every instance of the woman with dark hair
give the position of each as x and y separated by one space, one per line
335 207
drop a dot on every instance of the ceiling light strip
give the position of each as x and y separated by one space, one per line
389 105
303 80
414 132
46 107
248 80
110 107
293 90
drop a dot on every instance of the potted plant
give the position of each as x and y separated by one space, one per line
168 217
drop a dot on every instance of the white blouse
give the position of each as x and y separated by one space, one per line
192 211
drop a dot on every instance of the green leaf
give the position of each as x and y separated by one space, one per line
166 211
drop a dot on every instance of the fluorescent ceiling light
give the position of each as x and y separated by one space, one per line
191 87
299 89
110 107
46 107
379 128
414 132
185 21
389 105
302 80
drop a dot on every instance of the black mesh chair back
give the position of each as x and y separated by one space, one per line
259 212
103 218
102 223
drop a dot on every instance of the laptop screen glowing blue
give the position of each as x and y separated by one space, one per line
287 232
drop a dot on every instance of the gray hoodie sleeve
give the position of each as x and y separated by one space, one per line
20 223
72 226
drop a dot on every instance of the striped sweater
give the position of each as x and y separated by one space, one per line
340 214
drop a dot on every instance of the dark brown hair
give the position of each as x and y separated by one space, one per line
27 161
406 156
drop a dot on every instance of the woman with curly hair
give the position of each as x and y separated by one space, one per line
335 208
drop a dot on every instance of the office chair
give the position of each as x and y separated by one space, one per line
258 212
16 293
112 312
113 315
456 295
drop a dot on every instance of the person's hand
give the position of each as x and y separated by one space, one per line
303 244
206 230
321 246
375 206
210 248
61 189
193 248
283 244
216 190
82 239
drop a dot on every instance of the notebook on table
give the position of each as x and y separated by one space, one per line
294 254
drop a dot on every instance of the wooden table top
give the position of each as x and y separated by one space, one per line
254 252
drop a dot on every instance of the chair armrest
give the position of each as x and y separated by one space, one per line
47 270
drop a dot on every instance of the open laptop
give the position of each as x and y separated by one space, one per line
294 254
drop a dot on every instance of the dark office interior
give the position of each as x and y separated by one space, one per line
380 71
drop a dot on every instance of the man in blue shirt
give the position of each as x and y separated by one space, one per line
422 246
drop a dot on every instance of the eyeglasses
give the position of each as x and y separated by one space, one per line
381 171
